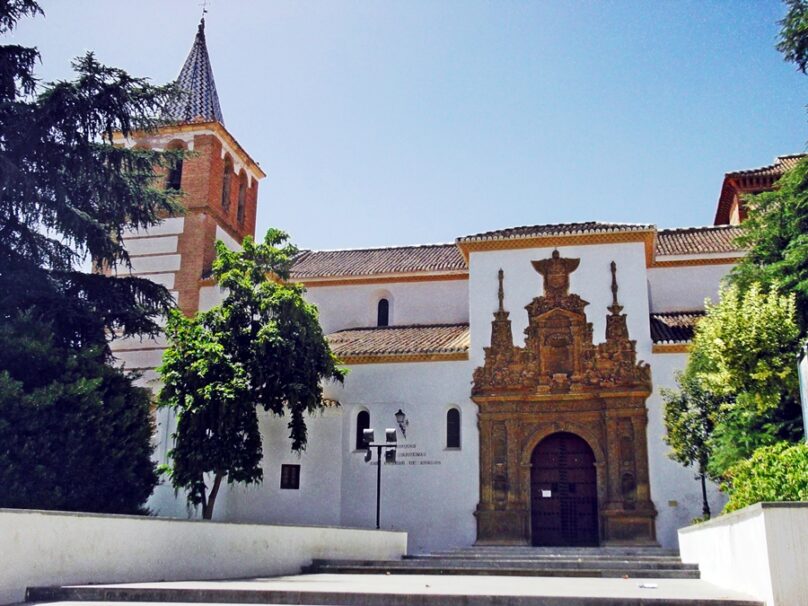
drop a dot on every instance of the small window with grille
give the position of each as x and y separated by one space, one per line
290 477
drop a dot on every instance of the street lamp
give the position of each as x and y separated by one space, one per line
401 420
389 446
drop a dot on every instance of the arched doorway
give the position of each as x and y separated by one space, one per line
563 489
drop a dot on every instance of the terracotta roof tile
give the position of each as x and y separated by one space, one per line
198 99
674 327
401 340
698 240
751 180
781 165
555 229
378 261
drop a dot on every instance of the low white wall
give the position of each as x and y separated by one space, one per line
53 548
761 550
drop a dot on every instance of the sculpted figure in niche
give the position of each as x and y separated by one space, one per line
557 348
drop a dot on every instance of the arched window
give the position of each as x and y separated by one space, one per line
383 313
362 423
242 196
228 174
453 428
174 176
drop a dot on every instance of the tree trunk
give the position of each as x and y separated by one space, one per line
705 506
207 507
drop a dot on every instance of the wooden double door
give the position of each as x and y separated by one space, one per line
564 497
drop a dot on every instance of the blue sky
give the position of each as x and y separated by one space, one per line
418 121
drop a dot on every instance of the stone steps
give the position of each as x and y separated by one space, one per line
478 576
416 564
631 573
525 561
498 551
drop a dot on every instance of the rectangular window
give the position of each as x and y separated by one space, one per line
290 477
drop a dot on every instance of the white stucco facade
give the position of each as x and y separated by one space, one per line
684 288
432 491
432 302
676 490
418 359
412 323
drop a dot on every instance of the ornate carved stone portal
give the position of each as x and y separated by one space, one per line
560 381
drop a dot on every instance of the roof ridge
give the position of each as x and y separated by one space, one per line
554 229
776 163
401 326
696 228
393 247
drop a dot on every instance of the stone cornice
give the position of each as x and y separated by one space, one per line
646 236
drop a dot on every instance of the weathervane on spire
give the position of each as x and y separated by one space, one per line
204 6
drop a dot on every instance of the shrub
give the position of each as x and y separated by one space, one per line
772 473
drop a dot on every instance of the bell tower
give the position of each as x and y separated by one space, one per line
219 181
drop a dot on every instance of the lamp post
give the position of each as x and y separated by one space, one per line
402 422
389 446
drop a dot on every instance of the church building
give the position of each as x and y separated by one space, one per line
521 368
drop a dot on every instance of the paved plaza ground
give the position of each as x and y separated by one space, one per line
422 589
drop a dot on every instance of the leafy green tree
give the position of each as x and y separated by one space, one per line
776 235
263 346
68 194
74 433
794 34
773 473
744 353
690 416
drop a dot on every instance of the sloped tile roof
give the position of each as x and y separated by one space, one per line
698 240
556 229
751 180
401 340
378 261
198 100
674 327
780 165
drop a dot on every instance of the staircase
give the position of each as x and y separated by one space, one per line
475 576
614 562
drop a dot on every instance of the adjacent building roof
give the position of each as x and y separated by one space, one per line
555 229
749 181
406 341
378 261
698 240
780 165
674 327
448 259
198 101
452 340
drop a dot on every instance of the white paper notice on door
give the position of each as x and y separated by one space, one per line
546 494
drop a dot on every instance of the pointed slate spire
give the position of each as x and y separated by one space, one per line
199 100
